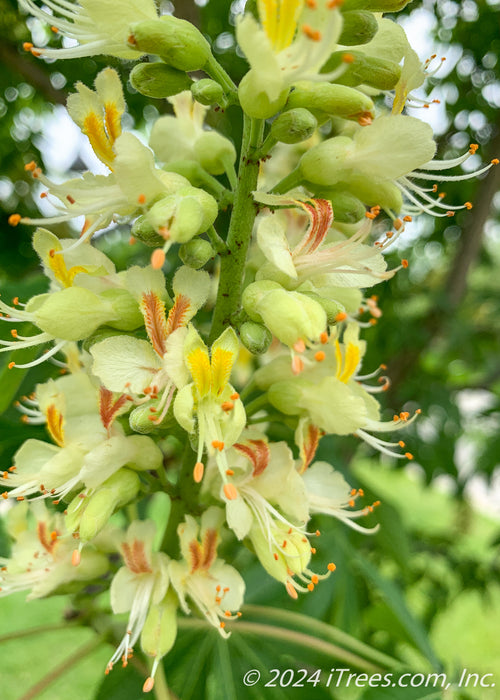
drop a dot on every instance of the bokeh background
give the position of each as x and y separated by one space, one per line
425 589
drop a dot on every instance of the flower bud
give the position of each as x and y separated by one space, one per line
278 562
73 313
294 126
359 27
253 293
373 191
334 100
214 152
323 164
176 41
332 308
196 253
160 629
255 337
290 316
207 92
144 231
158 80
185 214
363 69
374 5
126 309
141 419
285 396
101 333
347 208
254 98
89 514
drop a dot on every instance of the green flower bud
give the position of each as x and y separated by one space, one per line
89 514
285 396
254 99
332 308
160 629
253 293
290 316
126 309
359 27
332 99
73 313
214 152
158 80
347 208
185 214
196 253
207 92
100 334
141 419
323 164
144 231
375 5
175 41
255 337
373 191
294 126
362 69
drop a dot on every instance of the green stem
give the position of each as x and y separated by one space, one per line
240 230
269 142
217 72
256 405
292 180
218 243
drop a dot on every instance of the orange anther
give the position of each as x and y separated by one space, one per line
29 167
227 406
15 301
347 58
234 396
157 259
468 205
341 316
70 199
361 492
310 586
317 533
148 685
13 333
408 455
473 148
229 472
5 495
450 213
404 263
198 471
376 504
27 46
331 566
20 498
398 224
11 365
230 492
311 4
407 218
313 550
314 579
141 199
319 356
291 590
297 365
274 555
495 161
14 219
401 443
313 34
324 338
